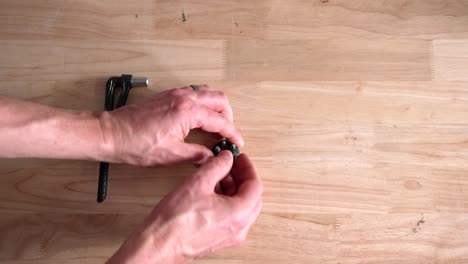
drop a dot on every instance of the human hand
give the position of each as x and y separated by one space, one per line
194 220
153 133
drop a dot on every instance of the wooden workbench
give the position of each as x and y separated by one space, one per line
355 113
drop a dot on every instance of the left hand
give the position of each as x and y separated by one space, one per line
153 133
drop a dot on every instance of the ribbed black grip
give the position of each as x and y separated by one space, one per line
102 184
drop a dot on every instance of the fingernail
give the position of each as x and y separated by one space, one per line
241 143
225 154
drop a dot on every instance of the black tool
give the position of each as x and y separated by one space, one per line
226 145
125 83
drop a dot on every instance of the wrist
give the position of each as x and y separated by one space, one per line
107 144
150 245
86 132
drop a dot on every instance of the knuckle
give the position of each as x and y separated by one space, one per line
239 222
199 183
182 103
222 95
176 92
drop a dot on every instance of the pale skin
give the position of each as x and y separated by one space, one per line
212 209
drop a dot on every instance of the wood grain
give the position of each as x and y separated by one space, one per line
354 112
125 19
55 19
49 238
450 59
328 60
233 19
363 238
427 238
323 19
60 60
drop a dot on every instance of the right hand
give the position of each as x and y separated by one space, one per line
194 220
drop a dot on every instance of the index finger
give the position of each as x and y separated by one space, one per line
214 122
217 101
250 186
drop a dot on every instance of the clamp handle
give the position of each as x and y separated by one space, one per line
125 82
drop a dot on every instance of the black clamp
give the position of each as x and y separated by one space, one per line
125 83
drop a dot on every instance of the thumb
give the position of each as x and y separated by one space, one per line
215 169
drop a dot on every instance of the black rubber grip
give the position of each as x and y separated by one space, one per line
102 184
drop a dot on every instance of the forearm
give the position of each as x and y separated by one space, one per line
152 243
32 130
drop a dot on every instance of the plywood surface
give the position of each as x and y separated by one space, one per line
355 113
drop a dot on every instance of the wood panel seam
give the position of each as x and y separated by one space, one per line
431 60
